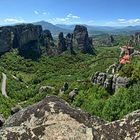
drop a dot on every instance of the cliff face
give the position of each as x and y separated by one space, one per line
82 39
53 118
24 37
28 38
6 39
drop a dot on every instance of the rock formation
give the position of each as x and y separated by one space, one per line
82 39
53 119
69 43
109 81
27 36
61 43
73 94
48 43
126 129
6 39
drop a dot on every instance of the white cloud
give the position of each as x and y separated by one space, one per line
121 19
69 19
124 22
72 16
13 20
36 12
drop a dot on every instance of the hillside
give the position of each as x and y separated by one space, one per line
74 68
76 71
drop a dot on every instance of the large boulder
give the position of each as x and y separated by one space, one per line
73 94
53 119
50 119
122 82
6 39
82 39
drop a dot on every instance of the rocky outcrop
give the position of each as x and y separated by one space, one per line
69 43
6 39
73 94
61 43
63 90
27 37
53 119
109 81
48 43
126 129
82 40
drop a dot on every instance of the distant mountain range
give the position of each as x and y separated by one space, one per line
55 30
93 30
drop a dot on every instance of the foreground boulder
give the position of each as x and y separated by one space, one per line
82 40
53 119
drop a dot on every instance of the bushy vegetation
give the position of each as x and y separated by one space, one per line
76 70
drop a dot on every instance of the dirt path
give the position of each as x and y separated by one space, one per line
3 85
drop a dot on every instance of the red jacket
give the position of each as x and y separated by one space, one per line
125 59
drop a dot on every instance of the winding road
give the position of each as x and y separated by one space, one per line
3 85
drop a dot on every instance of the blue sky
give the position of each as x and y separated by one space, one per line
92 12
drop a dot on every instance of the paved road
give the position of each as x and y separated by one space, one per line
3 85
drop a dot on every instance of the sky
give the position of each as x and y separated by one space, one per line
91 12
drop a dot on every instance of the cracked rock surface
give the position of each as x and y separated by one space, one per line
53 119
